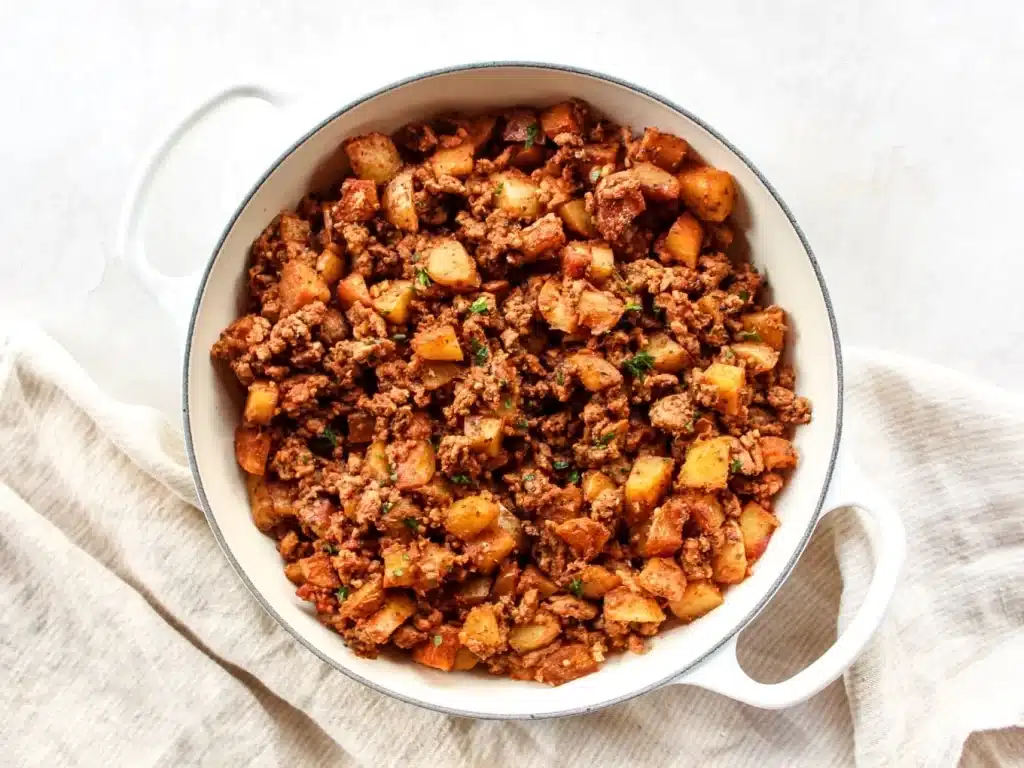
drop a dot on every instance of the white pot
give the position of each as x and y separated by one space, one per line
702 653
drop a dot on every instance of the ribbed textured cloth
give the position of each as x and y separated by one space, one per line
128 640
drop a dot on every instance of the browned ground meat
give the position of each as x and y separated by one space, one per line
511 402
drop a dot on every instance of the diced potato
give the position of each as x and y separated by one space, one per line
596 156
625 606
567 663
769 326
707 464
729 561
709 192
377 463
526 158
437 343
261 402
330 266
699 598
488 549
465 659
358 202
480 129
448 264
778 453
656 183
485 434
682 242
434 564
663 578
555 307
473 591
294 229
596 483
648 480
540 632
584 536
566 117
574 214
398 568
543 236
602 262
663 149
758 357
756 525
393 300
453 161
365 600
266 512
532 578
728 380
480 631
414 463
662 535
506 580
706 511
440 649
511 525
594 371
469 516
398 203
373 156
596 581
352 290
318 571
252 448
669 356
435 375
516 195
600 311
300 285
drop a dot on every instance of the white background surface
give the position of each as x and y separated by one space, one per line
892 129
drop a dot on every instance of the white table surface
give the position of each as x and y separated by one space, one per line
892 129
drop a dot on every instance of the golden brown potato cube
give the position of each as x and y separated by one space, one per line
299 286
727 380
435 375
488 549
709 192
574 214
526 158
759 358
511 525
532 578
294 229
448 264
648 480
596 157
394 613
480 129
485 434
481 632
555 307
516 195
434 564
437 343
414 463
663 578
669 356
768 326
440 649
566 117
330 267
707 464
465 659
377 463
453 161
469 516
364 601
473 591
565 664
663 533
393 300
656 183
585 537
506 580
398 203
706 511
596 581
596 483
757 525
682 243
398 568
269 501
729 560
318 571
373 156
663 149
252 448
358 202
602 262
600 310
594 371
543 236
624 606
538 633
699 598
261 402
352 290
778 453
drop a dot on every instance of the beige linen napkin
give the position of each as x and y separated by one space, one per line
128 640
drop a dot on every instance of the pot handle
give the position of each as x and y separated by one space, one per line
722 672
174 294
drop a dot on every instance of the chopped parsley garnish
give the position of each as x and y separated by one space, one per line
386 507
634 306
330 549
480 352
437 640
528 477
574 476
560 464
744 295
735 466
399 572
531 135
507 402
522 423
750 335
603 440
460 479
727 354
423 279
499 187
341 593
621 280
398 337
393 474
690 423
576 587
595 175
411 523
479 307
639 365
560 378
324 443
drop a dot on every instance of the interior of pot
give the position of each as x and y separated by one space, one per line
213 401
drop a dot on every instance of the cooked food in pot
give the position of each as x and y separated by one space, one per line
512 403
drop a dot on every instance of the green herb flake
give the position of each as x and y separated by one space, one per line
576 587
437 640
574 476
690 424
639 365
499 187
604 440
324 443
750 336
480 352
386 507
727 354
560 464
595 175
560 378
531 135
393 474
405 557
735 466
399 572
621 280
634 306
460 479
522 423
330 549
479 307
507 402
423 279
342 594
412 524
398 337
528 477
744 295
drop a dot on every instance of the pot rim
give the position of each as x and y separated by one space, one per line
618 697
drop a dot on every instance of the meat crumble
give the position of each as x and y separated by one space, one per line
511 402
